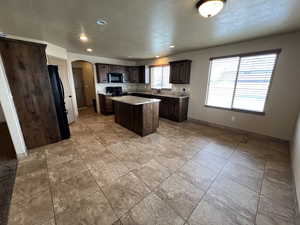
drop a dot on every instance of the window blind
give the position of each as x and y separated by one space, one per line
160 77
241 82
253 82
222 81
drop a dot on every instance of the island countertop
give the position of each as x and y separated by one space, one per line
133 100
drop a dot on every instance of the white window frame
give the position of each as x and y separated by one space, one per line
274 51
150 77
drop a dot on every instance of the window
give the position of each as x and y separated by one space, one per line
241 82
160 77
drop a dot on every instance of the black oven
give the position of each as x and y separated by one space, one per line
115 77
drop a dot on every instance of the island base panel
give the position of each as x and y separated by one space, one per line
141 119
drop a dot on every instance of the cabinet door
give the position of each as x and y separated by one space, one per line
173 110
180 72
134 74
142 74
102 70
164 108
174 73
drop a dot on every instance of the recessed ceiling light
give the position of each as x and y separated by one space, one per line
83 37
172 46
89 50
157 56
101 22
210 8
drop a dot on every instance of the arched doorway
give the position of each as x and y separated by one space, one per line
84 84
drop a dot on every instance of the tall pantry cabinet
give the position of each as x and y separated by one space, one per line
26 70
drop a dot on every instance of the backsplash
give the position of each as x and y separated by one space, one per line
176 89
126 87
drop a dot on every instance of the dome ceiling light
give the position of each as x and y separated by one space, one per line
210 8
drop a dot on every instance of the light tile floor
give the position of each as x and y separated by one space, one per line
185 174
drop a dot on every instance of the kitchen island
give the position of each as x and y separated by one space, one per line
140 115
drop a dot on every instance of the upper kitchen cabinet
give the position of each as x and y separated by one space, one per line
102 70
117 69
137 74
131 74
180 72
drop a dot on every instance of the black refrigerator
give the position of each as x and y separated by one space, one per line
59 100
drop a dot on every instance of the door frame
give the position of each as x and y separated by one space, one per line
65 62
70 63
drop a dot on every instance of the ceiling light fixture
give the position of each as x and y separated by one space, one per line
101 22
83 37
172 46
89 50
157 56
210 8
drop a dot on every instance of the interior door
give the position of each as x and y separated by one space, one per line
79 87
63 74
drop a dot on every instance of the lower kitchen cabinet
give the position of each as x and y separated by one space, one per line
106 105
172 108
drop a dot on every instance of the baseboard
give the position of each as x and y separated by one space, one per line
22 156
239 131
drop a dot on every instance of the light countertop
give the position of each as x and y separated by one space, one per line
160 94
133 100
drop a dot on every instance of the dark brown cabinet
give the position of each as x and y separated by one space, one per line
131 74
136 74
180 72
102 70
106 105
142 119
172 108
27 74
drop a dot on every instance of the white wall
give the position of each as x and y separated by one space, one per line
283 103
296 157
92 59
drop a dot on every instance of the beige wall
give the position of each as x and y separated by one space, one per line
283 104
88 79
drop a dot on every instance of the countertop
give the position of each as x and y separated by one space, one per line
133 100
163 95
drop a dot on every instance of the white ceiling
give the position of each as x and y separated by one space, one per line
140 29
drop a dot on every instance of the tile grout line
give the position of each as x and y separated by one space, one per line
259 194
100 189
213 181
50 189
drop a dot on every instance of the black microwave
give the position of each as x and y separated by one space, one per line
115 77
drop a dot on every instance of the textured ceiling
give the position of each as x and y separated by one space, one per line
140 29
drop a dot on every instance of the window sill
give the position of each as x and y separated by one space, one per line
237 110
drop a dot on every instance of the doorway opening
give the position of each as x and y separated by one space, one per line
63 74
84 83
7 151
8 168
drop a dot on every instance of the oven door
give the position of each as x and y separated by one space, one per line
115 77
